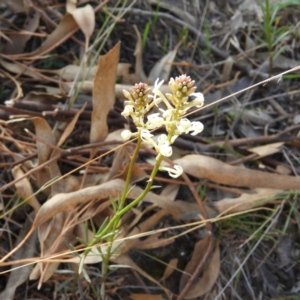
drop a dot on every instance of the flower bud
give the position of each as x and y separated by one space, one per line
126 134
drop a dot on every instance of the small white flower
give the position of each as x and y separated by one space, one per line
165 149
174 173
196 127
183 126
166 113
146 135
128 110
126 134
198 102
162 139
154 121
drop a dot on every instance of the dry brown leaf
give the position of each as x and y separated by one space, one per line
172 265
17 6
127 261
146 297
24 189
18 87
170 191
283 169
71 5
85 19
141 228
163 67
70 127
227 68
53 236
199 251
135 216
126 76
104 94
19 40
210 276
19 276
121 159
69 73
245 201
266 150
67 201
65 29
44 132
153 242
202 166
137 175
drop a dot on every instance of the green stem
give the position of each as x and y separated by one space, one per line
121 205
116 218
130 170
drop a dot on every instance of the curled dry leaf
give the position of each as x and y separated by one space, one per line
210 168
